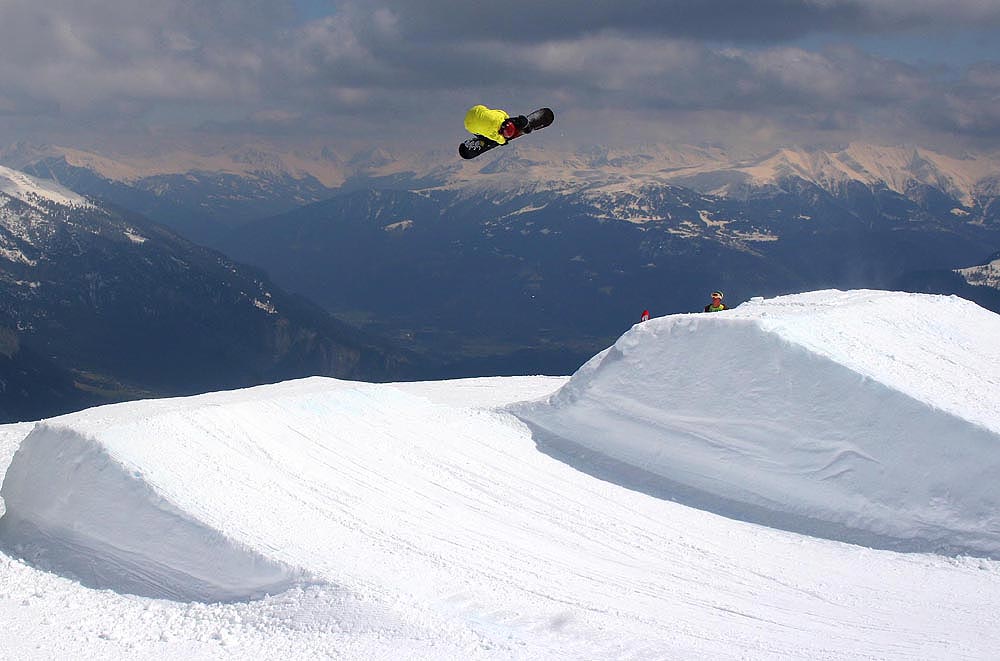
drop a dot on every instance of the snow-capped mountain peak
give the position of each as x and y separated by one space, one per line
708 169
896 168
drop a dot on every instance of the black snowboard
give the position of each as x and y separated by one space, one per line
476 145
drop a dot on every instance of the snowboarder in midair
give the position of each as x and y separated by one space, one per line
491 128
495 125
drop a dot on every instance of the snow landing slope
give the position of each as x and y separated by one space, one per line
425 521
864 416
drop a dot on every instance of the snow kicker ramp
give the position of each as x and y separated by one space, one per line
101 507
864 416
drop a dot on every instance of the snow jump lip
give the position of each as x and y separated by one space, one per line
73 509
797 428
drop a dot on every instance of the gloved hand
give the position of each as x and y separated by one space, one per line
508 129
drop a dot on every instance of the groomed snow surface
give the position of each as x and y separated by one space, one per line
813 476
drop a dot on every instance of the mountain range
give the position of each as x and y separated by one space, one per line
529 259
293 178
99 305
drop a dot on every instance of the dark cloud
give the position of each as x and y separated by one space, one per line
721 20
972 106
80 55
406 71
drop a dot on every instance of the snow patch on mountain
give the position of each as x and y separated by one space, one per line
32 190
985 275
134 236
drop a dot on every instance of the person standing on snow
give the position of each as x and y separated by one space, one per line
716 305
644 317
495 125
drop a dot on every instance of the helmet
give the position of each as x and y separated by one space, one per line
716 294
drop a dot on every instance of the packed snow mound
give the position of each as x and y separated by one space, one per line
863 416
100 497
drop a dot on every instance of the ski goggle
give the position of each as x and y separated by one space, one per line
716 294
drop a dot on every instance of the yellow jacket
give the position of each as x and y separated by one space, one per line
485 122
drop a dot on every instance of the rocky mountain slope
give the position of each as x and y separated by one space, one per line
110 305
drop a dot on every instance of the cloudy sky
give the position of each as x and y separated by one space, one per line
137 74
